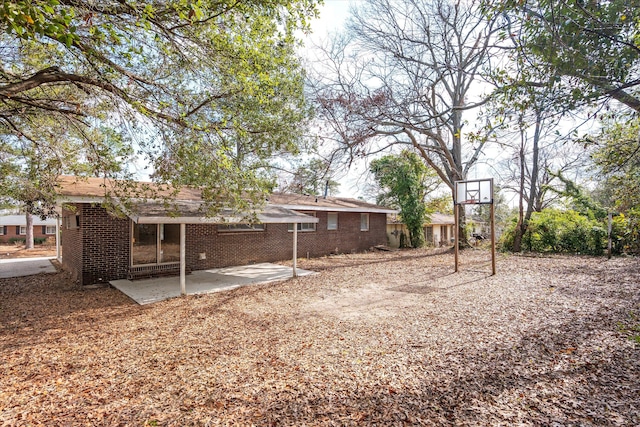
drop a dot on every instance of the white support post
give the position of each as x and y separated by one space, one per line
295 248
58 252
183 260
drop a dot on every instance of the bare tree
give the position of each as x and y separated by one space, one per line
539 151
406 73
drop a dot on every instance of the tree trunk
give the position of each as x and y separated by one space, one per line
520 229
28 244
523 223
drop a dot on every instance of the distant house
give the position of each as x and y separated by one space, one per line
438 231
99 247
15 227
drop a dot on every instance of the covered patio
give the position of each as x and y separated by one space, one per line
148 291
182 212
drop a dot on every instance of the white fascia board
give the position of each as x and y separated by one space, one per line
218 220
80 199
337 209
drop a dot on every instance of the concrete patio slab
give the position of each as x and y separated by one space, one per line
148 291
18 267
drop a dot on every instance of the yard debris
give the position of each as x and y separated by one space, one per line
382 338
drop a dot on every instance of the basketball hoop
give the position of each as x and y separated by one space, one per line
475 192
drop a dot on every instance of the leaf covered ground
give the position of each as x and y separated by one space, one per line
392 338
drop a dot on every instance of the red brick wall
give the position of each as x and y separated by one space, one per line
99 251
224 249
12 231
106 245
71 240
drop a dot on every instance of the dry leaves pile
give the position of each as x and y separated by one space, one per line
373 339
8 251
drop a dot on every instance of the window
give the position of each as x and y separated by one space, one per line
71 222
332 221
2 232
305 226
364 222
23 230
240 227
50 229
155 243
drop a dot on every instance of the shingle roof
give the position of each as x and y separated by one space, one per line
72 187
92 187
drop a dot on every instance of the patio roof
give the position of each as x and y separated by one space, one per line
190 212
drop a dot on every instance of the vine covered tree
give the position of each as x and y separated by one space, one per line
405 183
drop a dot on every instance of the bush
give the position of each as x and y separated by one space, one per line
554 230
22 240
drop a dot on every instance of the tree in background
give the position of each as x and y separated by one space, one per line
589 49
314 177
405 182
405 74
617 156
209 90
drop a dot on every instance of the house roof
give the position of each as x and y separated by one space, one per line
90 189
442 219
319 203
189 212
21 220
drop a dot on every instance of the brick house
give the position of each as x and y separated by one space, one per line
15 227
99 247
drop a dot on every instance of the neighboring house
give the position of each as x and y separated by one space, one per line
15 227
479 226
99 247
438 231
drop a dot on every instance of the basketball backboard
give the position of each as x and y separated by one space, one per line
478 191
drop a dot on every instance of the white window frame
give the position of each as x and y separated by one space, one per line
332 226
241 228
2 230
72 222
365 226
50 229
304 226
23 230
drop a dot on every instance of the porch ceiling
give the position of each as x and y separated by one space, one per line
190 212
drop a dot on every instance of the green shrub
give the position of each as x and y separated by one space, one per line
22 240
563 231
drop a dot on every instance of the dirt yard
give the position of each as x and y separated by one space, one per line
372 339
18 251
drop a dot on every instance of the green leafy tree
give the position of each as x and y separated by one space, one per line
209 90
405 182
590 50
31 163
617 155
